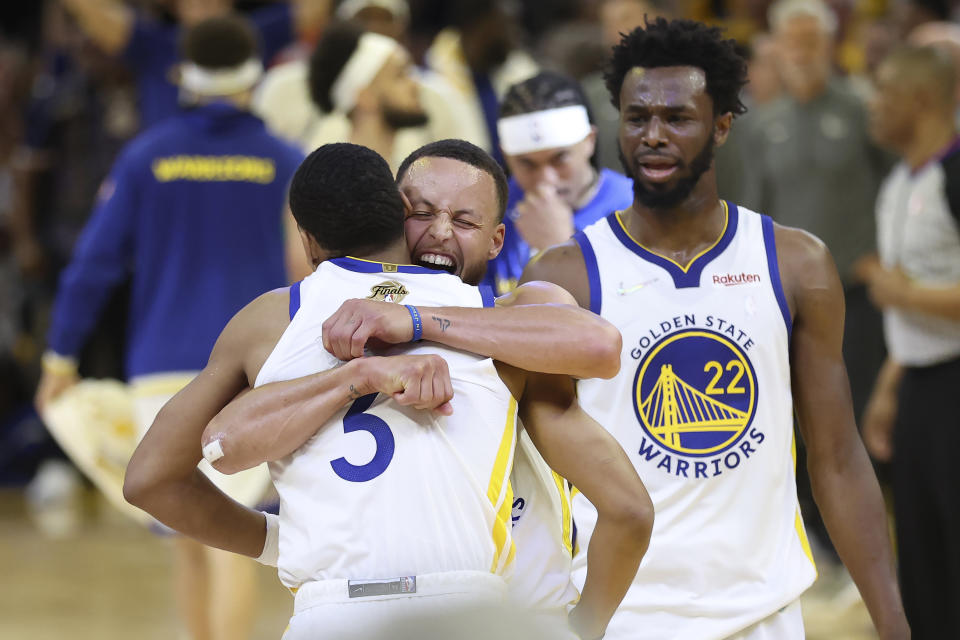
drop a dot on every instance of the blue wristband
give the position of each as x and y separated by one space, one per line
417 323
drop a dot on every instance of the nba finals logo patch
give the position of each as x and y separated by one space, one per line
389 291
695 396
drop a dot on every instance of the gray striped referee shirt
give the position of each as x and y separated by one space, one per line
918 229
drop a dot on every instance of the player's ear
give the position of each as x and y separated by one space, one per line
496 241
721 128
315 255
407 207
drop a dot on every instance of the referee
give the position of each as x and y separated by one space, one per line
913 417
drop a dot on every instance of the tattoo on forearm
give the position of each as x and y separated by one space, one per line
443 322
354 394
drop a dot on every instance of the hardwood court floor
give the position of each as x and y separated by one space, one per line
110 580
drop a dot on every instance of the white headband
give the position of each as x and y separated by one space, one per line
372 52
220 82
541 130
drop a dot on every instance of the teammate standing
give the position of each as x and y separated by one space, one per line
730 322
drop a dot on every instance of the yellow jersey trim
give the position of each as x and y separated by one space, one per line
566 514
389 264
723 232
500 493
798 520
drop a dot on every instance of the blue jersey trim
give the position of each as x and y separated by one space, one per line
360 265
682 278
294 299
593 271
770 244
486 294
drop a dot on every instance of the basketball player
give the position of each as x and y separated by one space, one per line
456 194
730 322
440 509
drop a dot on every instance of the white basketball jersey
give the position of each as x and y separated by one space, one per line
383 491
703 407
542 533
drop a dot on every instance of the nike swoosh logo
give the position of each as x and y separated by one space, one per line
624 291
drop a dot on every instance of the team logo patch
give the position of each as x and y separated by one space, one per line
389 291
695 393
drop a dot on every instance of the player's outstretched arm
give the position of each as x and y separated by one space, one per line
583 452
162 477
274 420
844 484
538 327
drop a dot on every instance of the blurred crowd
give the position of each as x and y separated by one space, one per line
81 78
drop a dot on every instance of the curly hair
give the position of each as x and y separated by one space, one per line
675 43
344 196
467 153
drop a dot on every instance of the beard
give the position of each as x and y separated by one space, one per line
666 197
404 118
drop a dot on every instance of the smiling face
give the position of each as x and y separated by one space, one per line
452 222
667 132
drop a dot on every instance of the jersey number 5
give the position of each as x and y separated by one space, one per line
357 420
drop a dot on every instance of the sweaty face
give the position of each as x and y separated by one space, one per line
400 94
452 225
892 108
667 130
566 169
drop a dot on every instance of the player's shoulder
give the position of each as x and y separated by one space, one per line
805 261
562 265
266 315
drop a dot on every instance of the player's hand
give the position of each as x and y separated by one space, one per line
878 422
51 386
543 218
418 381
347 331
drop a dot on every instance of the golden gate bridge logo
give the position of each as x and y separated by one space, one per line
695 393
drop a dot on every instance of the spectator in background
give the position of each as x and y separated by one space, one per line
913 417
478 56
811 165
283 98
763 72
763 87
194 208
556 188
944 36
365 86
149 47
616 17
359 87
